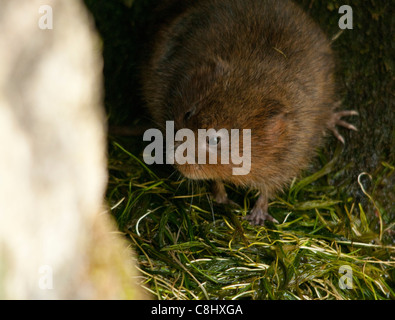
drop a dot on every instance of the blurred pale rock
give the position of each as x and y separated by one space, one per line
56 240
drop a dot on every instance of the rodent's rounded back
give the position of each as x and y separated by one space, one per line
262 65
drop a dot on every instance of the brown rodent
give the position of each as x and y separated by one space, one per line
262 65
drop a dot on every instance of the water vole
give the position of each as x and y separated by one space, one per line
262 65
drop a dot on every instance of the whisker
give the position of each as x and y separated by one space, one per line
179 185
171 174
192 196
210 202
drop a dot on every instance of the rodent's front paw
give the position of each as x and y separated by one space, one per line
219 195
337 121
258 217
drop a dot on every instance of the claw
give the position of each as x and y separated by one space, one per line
346 125
259 213
258 217
337 121
338 135
346 113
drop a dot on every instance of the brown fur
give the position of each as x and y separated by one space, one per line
262 65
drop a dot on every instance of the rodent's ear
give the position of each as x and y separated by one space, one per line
216 66
221 66
270 110
274 108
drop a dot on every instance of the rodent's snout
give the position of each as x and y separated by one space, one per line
214 154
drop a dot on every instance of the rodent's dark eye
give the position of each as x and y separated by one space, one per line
189 114
213 141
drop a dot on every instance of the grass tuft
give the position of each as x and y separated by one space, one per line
326 246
